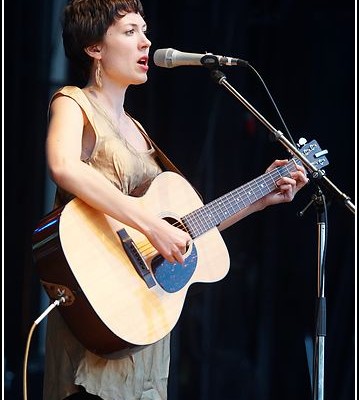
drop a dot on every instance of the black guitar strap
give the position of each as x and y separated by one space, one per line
164 161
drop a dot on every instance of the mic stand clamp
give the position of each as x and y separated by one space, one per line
210 61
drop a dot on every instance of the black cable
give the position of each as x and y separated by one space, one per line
273 102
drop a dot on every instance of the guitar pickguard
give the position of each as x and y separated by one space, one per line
172 277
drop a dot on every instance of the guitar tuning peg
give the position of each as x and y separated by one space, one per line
302 141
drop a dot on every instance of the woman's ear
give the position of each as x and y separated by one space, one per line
94 51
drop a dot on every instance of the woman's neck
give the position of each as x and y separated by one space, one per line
111 99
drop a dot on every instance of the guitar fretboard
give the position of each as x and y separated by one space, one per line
212 214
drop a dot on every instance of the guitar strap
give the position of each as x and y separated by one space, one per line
165 162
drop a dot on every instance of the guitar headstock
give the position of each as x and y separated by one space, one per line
314 154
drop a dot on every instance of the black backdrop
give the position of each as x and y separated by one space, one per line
247 336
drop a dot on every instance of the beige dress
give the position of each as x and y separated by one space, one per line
143 374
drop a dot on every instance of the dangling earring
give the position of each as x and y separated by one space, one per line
98 74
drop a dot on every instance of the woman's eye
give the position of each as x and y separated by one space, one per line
130 32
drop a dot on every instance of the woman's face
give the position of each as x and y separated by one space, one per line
124 51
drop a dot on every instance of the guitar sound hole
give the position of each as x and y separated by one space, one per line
158 260
175 222
178 224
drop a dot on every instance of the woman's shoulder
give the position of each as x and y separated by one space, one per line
74 92
77 96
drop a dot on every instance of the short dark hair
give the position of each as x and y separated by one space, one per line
85 23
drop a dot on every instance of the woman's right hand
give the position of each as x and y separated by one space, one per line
170 242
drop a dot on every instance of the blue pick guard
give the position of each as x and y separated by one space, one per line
174 276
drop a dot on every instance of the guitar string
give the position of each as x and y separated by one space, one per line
232 199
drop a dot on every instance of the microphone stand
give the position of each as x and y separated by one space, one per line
212 63
317 174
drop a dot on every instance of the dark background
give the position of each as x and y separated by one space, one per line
247 337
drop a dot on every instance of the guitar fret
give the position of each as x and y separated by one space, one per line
208 216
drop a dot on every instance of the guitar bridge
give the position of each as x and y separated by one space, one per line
135 257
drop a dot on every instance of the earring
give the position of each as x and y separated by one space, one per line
98 74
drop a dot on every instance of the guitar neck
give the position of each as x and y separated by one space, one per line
212 214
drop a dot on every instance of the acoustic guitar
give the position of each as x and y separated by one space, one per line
120 293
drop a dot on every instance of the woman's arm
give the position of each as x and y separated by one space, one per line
64 148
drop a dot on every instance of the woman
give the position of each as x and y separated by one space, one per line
100 154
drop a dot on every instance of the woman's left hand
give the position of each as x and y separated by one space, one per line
287 187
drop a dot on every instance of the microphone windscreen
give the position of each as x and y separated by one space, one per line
162 58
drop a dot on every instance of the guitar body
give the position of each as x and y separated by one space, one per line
109 307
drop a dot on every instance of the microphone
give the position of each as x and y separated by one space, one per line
170 58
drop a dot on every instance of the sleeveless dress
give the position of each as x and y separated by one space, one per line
140 375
